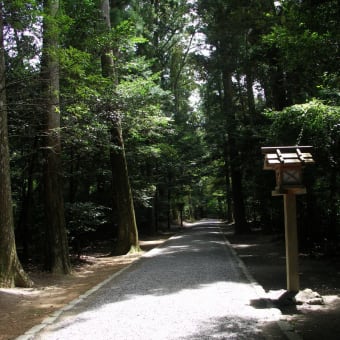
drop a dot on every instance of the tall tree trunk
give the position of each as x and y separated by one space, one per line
168 202
122 195
157 207
229 211
277 84
11 271
334 195
250 93
57 255
26 214
235 168
333 211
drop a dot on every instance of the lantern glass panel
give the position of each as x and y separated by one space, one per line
292 176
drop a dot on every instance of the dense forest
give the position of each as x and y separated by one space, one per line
119 118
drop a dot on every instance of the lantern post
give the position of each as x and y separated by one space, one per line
288 162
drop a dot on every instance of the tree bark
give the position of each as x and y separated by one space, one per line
241 225
11 271
250 93
229 210
122 195
57 255
27 203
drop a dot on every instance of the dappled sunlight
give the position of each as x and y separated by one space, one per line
226 316
244 246
19 291
150 243
205 221
191 283
161 251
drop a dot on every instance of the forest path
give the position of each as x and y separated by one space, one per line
191 287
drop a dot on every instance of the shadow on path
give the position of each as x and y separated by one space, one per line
189 288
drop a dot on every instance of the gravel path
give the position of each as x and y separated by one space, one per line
189 288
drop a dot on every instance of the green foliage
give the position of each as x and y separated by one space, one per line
293 43
83 217
312 123
329 88
121 39
177 152
86 223
318 124
303 44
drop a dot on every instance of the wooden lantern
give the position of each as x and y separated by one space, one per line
288 162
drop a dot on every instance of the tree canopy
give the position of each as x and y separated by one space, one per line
125 117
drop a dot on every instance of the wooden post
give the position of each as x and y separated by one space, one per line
288 167
292 266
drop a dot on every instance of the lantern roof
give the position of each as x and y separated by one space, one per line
286 156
